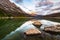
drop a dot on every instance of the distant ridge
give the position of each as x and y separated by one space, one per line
53 15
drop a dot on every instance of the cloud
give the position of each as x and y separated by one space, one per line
41 7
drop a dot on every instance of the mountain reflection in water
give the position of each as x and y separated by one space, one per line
18 33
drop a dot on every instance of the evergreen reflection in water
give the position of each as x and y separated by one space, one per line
18 34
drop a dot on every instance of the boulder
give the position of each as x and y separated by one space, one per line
55 28
37 24
32 32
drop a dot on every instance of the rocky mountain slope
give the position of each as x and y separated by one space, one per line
10 9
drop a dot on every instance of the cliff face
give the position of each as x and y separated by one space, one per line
11 9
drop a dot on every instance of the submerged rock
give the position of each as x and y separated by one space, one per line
37 24
53 29
32 32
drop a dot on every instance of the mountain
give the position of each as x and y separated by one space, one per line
53 15
48 16
10 9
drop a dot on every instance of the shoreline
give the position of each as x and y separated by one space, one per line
13 17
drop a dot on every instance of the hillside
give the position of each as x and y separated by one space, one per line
53 15
10 9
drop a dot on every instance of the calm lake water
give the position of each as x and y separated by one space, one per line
9 30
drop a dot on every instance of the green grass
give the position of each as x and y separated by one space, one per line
1 13
8 25
4 13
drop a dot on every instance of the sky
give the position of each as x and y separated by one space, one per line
44 7
26 5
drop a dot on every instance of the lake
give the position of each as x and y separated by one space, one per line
9 26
